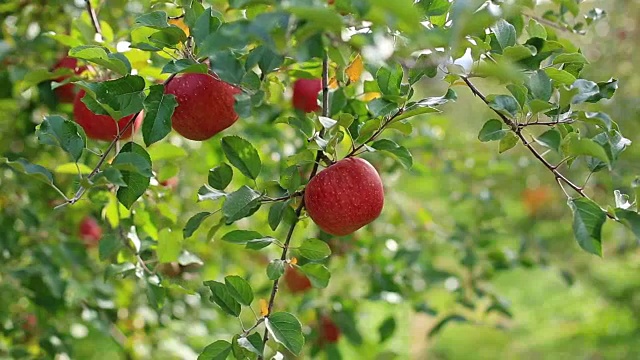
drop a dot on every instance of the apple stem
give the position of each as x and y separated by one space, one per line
319 156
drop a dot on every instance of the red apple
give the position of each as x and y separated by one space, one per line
170 183
296 281
305 94
345 196
90 231
329 331
101 127
30 323
330 2
66 93
205 105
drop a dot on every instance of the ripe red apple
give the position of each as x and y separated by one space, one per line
345 196
329 332
66 93
170 183
305 94
101 127
205 105
90 231
296 281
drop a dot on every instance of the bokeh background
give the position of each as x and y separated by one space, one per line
473 257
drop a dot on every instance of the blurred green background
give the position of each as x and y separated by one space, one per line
473 257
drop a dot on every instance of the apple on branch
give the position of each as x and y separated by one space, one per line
205 105
296 281
66 93
102 127
345 196
90 231
305 94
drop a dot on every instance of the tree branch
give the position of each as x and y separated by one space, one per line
104 156
518 131
314 171
94 17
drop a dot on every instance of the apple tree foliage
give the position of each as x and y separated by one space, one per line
176 252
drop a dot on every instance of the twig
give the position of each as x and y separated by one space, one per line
267 199
518 131
94 18
373 136
545 123
314 171
249 330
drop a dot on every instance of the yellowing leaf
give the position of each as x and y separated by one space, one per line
179 22
370 96
354 70
333 83
264 307
293 261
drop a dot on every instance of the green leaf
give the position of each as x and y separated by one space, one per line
538 106
207 23
206 192
239 289
630 219
415 111
389 79
220 176
519 92
399 152
539 85
286 330
242 155
222 297
318 274
425 65
133 162
266 59
276 213
241 203
387 328
586 90
169 246
382 108
101 56
606 90
36 171
505 33
137 183
314 249
319 18
68 135
184 66
588 219
218 350
118 269
505 104
551 139
570 58
507 142
253 343
535 29
154 19
492 130
108 246
560 76
194 223
155 295
275 269
124 95
242 237
158 109
573 145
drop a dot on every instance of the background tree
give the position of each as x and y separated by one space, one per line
482 118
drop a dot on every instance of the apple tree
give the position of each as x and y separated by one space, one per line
220 177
